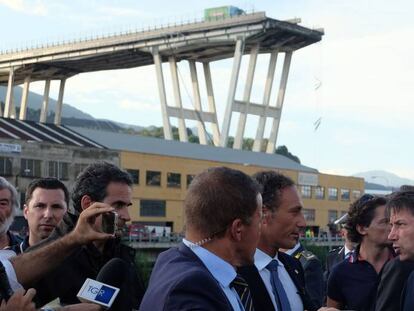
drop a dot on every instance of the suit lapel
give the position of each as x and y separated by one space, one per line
293 272
186 251
261 298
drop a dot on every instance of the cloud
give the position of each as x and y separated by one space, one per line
26 6
138 106
122 12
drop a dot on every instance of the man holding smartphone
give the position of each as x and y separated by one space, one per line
100 182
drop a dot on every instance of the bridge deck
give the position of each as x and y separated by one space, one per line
200 41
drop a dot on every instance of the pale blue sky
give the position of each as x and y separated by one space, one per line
364 62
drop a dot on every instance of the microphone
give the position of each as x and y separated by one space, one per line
113 275
98 292
5 290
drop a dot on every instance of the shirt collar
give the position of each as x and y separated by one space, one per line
346 250
221 270
293 250
261 259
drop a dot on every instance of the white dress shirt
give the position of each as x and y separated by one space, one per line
11 274
261 260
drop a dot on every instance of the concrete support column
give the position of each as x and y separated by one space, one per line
211 103
8 105
58 112
266 99
238 140
202 135
45 103
161 91
12 109
23 103
238 53
279 103
182 130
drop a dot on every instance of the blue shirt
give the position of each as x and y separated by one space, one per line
221 270
261 260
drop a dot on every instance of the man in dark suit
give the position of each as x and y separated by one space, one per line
337 255
223 210
392 283
276 279
394 277
312 267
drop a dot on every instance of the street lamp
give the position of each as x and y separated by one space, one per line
26 172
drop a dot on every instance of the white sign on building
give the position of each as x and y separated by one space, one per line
10 148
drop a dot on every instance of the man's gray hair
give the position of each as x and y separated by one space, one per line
4 184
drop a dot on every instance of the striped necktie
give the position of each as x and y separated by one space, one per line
282 300
242 289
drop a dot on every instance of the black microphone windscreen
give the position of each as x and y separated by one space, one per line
114 272
5 290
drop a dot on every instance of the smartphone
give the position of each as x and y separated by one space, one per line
109 222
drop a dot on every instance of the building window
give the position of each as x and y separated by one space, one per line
153 178
79 167
332 216
319 193
174 180
152 208
134 175
333 194
5 166
59 170
309 214
345 195
30 168
356 194
306 192
189 179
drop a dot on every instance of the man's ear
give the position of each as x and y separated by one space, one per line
361 229
25 210
86 201
266 214
236 229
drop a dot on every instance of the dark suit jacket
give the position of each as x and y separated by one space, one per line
393 279
334 257
314 279
261 298
407 303
180 281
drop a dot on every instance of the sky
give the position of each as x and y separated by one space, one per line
357 80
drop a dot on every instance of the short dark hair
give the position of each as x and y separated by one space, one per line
94 180
272 183
218 196
46 183
362 212
401 200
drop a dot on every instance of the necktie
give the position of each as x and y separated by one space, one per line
278 290
242 289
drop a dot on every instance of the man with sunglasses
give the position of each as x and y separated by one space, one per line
353 283
394 291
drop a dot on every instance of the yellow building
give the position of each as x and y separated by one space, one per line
162 171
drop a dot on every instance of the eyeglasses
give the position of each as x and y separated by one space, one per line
366 198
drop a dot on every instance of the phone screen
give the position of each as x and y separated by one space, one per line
109 221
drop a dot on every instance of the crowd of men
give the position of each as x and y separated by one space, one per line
241 249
